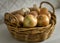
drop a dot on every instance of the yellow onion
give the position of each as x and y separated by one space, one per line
35 8
20 18
45 11
43 20
30 21
25 11
34 13
48 14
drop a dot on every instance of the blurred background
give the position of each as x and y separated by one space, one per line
11 5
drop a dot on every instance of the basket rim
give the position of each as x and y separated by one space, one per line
41 29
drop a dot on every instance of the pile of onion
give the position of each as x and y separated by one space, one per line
34 16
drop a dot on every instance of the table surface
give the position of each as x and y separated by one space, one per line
5 36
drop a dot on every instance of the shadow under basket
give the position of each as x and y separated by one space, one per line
35 34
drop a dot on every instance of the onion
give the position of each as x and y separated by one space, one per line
35 8
45 11
25 11
30 21
48 14
20 18
34 13
43 20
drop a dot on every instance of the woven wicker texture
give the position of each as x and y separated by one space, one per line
34 34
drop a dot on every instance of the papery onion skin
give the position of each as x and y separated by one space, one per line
30 21
43 20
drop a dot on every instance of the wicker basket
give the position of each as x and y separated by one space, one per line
35 34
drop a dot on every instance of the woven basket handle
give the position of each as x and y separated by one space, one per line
11 15
49 4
